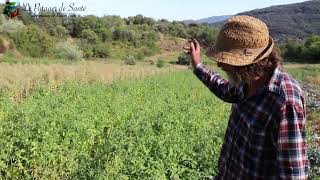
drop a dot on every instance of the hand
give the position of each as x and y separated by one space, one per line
194 52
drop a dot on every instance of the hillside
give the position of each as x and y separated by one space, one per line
295 21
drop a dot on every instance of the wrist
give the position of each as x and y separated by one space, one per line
198 65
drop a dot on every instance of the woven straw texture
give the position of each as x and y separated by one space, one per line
242 40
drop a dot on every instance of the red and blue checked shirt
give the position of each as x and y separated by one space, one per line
265 137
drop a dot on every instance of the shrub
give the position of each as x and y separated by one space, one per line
86 48
140 56
33 41
160 63
130 60
148 51
87 52
9 26
124 35
68 51
58 31
105 35
308 52
184 59
314 157
101 50
89 35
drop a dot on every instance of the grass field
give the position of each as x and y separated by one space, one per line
111 121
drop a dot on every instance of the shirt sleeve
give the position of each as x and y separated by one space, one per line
219 86
291 145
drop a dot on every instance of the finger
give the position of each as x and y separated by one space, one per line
193 48
186 48
187 52
196 43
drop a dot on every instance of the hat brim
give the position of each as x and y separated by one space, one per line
240 57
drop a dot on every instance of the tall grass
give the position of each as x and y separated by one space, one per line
21 79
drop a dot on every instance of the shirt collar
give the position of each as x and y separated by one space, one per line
276 79
274 82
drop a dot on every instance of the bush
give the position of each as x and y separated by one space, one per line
68 51
130 60
184 59
89 35
87 52
160 63
33 41
86 48
148 51
9 26
140 56
105 35
101 50
123 35
308 52
58 31
314 157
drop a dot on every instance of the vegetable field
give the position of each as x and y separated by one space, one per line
162 127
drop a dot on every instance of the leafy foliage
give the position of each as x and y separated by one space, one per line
130 60
137 35
32 41
68 51
101 50
308 51
160 63
126 130
184 59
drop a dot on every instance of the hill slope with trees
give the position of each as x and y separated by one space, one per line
293 21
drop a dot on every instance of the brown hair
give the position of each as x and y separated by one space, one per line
263 68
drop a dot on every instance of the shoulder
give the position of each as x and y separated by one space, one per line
291 91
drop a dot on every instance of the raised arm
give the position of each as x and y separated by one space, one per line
219 86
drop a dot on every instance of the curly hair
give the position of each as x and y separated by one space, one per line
263 68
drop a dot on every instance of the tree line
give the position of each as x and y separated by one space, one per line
95 37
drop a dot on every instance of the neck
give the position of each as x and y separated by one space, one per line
256 83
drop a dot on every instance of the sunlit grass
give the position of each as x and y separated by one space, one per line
20 79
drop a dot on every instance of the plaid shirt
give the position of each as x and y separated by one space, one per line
266 137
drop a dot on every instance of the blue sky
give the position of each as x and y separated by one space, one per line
168 9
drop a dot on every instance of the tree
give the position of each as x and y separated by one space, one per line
58 31
90 36
33 41
124 35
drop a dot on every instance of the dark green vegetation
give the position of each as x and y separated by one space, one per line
307 51
95 37
296 21
157 128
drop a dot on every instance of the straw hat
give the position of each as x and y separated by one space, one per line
242 40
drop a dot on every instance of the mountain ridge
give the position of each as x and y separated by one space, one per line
291 21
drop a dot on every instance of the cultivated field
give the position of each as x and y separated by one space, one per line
112 121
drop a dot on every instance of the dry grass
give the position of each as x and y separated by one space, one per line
314 79
22 79
293 65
